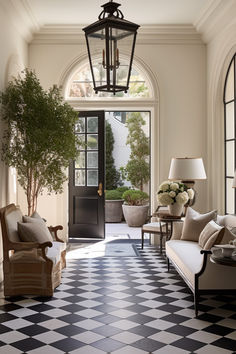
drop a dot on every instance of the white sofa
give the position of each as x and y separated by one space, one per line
195 267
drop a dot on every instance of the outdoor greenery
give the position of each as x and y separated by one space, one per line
122 189
113 194
39 138
137 169
112 175
135 197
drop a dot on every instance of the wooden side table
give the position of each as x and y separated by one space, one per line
160 228
168 230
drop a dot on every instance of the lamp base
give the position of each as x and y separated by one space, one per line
189 184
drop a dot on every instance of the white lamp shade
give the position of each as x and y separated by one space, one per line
234 180
187 169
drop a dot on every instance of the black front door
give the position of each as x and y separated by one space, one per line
86 179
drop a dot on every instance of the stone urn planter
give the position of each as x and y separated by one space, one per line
175 209
113 210
135 215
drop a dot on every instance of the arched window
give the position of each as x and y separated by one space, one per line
81 86
230 136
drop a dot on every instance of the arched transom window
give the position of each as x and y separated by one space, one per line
230 136
81 86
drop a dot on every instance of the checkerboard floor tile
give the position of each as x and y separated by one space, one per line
118 305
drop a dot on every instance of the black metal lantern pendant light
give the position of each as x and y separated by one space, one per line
104 38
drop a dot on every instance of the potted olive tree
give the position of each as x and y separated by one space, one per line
135 207
39 139
136 171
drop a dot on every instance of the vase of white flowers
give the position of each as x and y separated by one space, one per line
175 195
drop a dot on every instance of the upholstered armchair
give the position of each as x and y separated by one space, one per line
32 259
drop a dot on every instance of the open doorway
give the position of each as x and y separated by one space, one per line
128 163
81 225
121 148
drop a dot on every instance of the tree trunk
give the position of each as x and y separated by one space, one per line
32 192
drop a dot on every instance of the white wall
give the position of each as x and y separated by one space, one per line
180 73
14 55
221 47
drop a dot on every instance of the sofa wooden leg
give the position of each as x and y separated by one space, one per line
168 264
196 302
142 238
196 307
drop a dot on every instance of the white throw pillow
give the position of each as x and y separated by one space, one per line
194 223
211 234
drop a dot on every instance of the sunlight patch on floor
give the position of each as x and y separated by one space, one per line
104 248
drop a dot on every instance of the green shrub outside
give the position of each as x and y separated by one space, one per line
122 189
135 197
113 194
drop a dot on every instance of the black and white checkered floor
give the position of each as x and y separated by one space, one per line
120 305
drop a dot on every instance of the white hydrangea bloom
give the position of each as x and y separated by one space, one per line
164 186
190 192
182 198
174 186
164 198
172 194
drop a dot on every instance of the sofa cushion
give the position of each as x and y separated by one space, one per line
186 256
194 223
228 221
210 235
177 230
34 232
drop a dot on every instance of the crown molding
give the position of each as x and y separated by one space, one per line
215 16
151 34
20 15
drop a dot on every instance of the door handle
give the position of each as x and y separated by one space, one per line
100 189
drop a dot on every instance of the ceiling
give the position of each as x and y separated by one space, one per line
146 12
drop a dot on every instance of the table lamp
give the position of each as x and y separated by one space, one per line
188 170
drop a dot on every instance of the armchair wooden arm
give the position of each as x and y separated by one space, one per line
24 246
20 246
54 229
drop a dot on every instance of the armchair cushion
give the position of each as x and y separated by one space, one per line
34 232
54 253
